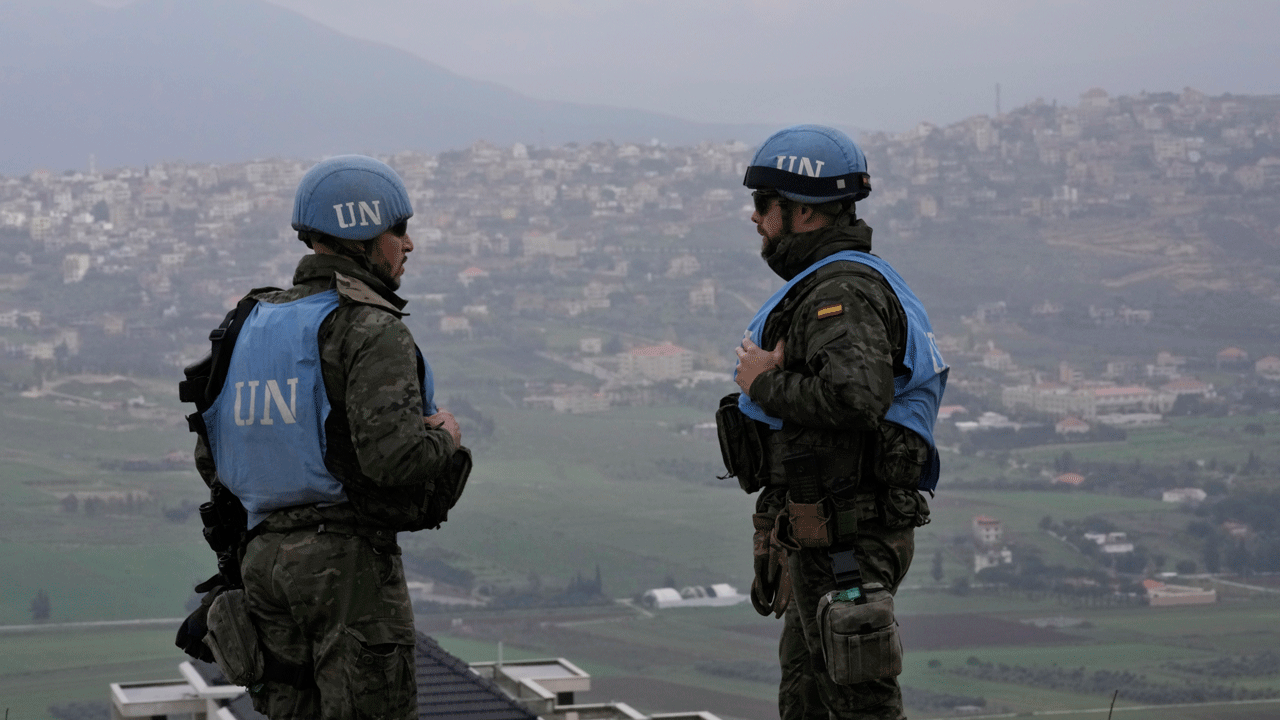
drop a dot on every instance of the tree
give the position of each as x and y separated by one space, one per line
1237 557
1211 556
40 607
1253 464
1065 462
70 503
937 566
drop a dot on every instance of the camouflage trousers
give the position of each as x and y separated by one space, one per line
806 691
334 603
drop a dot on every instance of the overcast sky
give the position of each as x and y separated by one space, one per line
886 64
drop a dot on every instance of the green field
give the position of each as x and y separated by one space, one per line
1182 440
558 496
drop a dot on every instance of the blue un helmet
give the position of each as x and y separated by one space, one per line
352 197
811 164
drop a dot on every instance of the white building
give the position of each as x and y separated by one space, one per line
1113 543
656 362
454 324
1159 594
1268 367
987 530
983 559
1184 495
683 266
704 295
74 267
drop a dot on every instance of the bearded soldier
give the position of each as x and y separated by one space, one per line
841 382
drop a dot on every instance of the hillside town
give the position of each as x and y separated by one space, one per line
632 245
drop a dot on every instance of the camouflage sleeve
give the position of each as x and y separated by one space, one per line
383 400
838 363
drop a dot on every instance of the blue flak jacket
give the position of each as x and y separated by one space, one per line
917 395
266 429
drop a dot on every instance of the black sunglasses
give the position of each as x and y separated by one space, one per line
763 199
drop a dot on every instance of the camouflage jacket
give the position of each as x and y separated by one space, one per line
388 460
836 381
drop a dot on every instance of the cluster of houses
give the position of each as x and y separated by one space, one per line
579 230
990 550
515 224
1078 403
1106 156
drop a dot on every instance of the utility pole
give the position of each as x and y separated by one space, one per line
997 100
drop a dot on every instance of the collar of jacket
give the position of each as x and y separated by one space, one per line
793 253
338 271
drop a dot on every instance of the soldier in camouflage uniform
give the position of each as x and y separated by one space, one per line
839 360
322 571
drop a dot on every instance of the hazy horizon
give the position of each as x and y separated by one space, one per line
875 66
222 81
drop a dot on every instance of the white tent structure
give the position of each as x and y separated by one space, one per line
717 595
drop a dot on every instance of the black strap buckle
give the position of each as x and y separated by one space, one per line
844 567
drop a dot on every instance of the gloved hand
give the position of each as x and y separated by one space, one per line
192 631
771 588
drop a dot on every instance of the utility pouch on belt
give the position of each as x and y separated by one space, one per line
811 524
811 520
233 639
859 640
741 446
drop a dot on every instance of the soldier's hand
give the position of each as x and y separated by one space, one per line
753 360
445 420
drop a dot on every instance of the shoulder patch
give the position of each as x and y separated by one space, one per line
355 291
830 311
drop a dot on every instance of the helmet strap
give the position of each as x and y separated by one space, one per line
354 249
848 214
787 208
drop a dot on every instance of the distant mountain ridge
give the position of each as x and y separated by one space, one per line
224 80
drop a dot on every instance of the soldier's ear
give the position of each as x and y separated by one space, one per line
803 213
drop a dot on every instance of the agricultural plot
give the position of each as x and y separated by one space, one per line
554 496
1180 440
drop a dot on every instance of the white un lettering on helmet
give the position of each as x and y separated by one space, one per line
812 168
367 213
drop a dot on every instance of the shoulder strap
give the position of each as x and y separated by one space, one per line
204 380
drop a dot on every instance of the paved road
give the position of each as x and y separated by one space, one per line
1104 711
127 624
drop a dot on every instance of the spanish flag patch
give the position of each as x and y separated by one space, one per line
830 311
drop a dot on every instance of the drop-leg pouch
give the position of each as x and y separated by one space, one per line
233 639
859 641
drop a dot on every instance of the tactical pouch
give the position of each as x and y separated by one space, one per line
741 447
811 524
233 639
447 492
859 640
900 457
